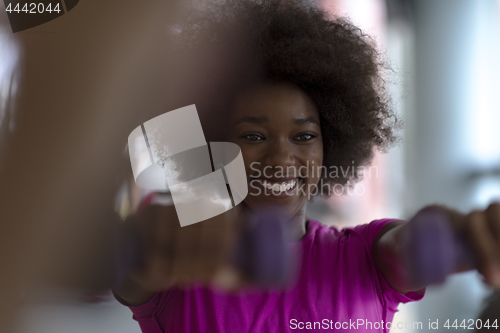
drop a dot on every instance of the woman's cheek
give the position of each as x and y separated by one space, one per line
254 189
314 176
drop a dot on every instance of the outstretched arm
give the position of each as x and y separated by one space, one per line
480 228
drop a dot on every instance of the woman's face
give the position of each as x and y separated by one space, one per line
277 128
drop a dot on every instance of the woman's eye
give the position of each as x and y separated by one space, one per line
253 137
304 137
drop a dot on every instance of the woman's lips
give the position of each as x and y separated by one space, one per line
278 187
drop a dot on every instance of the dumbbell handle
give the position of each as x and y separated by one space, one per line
433 249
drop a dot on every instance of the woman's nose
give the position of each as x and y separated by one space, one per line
280 154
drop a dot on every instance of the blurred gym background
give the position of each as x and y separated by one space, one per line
67 85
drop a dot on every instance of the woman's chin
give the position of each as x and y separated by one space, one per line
288 210
288 201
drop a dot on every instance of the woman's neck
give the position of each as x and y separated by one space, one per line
298 224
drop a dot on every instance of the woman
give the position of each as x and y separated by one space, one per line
308 95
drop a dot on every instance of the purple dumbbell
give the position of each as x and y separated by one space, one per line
263 251
434 250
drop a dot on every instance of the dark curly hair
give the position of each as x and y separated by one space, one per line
333 61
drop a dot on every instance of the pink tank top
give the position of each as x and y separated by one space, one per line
339 288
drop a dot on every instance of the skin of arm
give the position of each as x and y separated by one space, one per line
481 229
131 293
387 251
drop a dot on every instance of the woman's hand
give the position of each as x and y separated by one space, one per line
482 229
174 255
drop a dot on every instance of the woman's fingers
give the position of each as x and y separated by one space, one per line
493 215
180 255
217 234
226 275
184 252
484 239
159 224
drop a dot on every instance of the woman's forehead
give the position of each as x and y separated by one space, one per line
274 99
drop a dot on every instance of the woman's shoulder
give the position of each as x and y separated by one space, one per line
368 231
318 232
